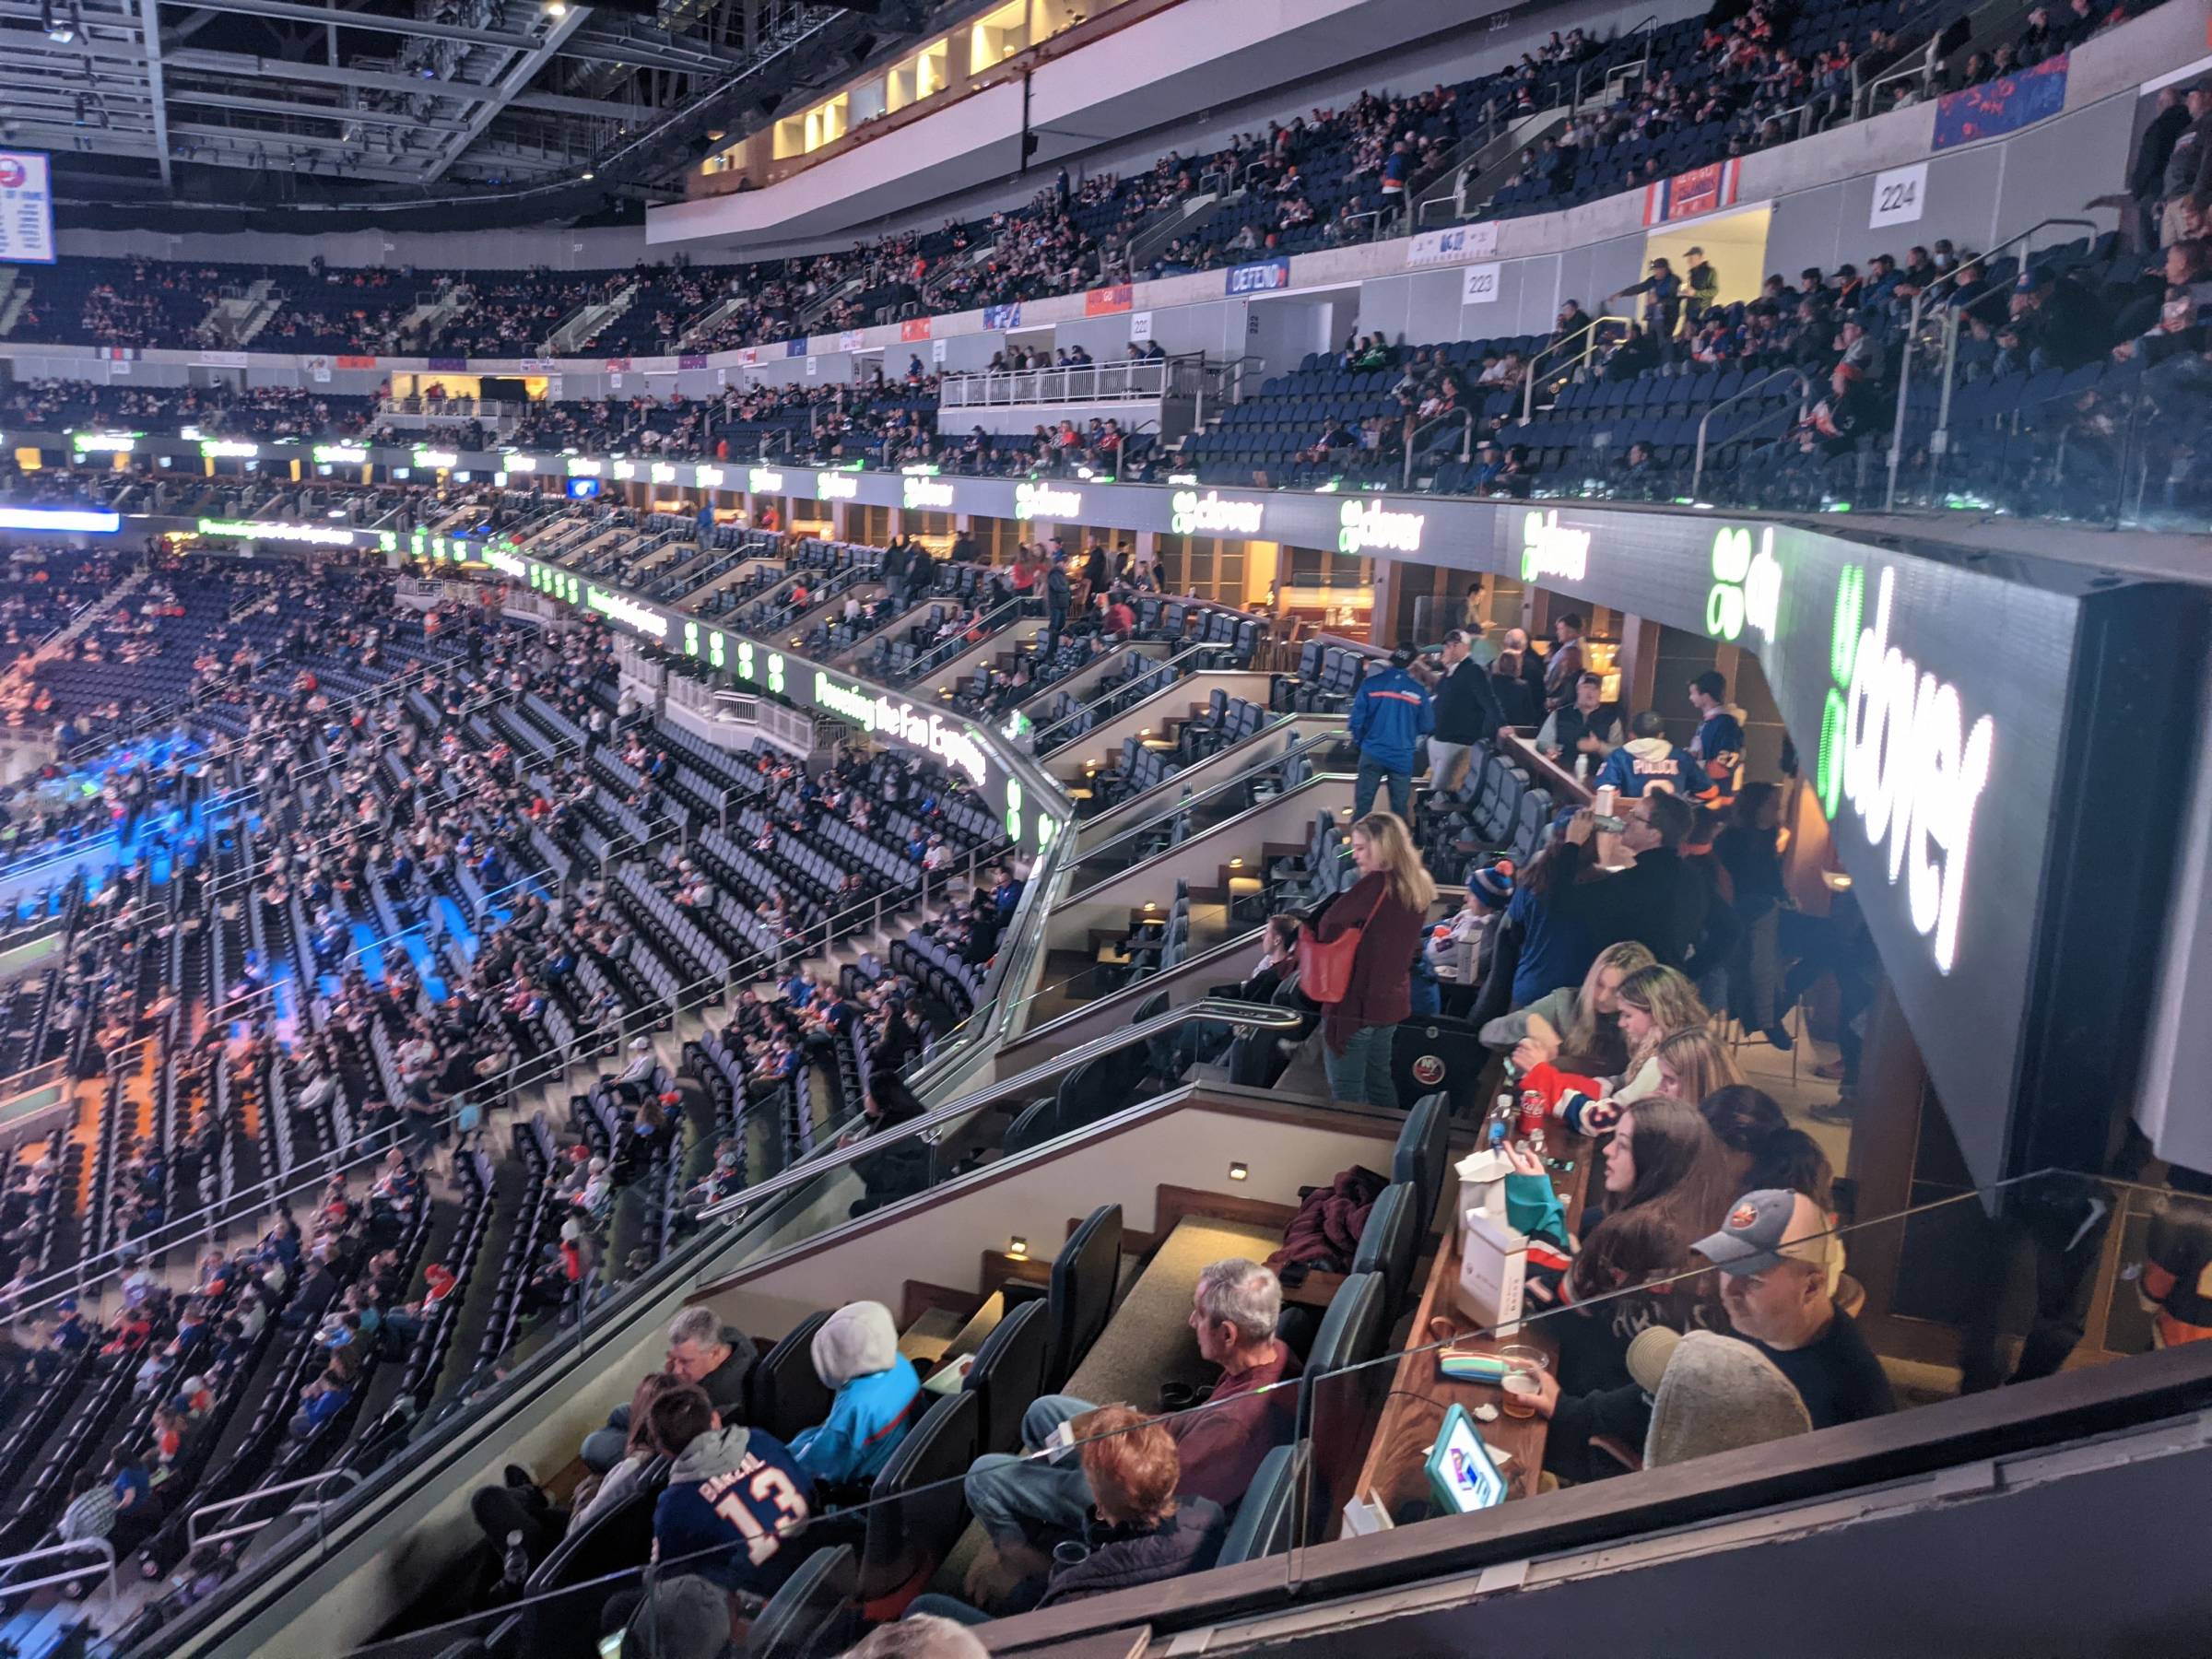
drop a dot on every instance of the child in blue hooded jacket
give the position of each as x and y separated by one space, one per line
879 1396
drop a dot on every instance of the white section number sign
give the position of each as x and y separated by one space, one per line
1900 195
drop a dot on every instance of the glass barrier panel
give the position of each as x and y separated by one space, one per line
991 1504
1420 1404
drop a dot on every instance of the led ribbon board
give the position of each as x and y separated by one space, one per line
903 722
1043 502
1366 524
1191 514
1550 548
622 609
312 535
60 520
925 493
1895 744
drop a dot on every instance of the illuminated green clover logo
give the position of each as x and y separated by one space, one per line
1843 658
1746 585
1348 539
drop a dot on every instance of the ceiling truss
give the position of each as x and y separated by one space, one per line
387 92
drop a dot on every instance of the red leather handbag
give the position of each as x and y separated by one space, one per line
1324 972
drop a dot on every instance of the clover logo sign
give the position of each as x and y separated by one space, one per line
1746 587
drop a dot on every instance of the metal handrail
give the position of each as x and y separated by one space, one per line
1221 1011
992 622
1006 387
1221 950
1932 12
1904 375
1316 743
1590 343
195 1537
245 877
860 645
1697 470
1076 713
1467 445
525 1076
183 706
1131 433
101 1548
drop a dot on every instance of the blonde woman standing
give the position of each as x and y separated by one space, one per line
1377 924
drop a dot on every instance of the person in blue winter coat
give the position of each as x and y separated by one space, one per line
1391 714
1648 757
879 1398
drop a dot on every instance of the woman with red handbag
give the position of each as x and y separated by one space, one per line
1356 961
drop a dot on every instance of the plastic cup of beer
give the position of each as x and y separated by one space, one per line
1518 1390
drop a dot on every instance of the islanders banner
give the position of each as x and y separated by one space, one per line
1996 107
1706 189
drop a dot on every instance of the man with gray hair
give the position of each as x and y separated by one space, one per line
1252 1410
701 1349
1467 713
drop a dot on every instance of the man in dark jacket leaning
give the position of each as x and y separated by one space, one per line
1662 901
1467 713
1391 714
701 1349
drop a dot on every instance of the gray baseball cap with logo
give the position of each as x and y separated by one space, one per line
1764 1227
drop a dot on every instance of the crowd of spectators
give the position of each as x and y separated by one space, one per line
263 412
1734 83
411 787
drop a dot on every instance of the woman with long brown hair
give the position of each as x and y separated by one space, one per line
1663 1155
1386 910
